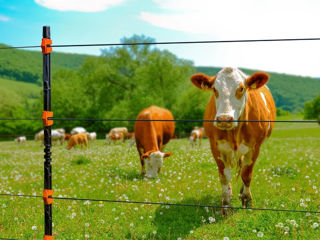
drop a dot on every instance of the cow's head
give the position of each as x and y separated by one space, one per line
153 162
229 87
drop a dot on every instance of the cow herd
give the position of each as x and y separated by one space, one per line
239 117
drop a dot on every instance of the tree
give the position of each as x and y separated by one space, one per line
312 109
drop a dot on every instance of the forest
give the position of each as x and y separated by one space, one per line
119 84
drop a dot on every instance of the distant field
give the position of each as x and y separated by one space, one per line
28 90
286 176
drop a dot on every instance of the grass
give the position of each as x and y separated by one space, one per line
286 176
21 88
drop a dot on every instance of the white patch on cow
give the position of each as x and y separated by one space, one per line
246 190
264 100
227 83
227 173
227 156
243 149
153 163
265 103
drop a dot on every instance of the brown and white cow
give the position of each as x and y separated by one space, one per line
196 136
236 97
151 137
80 138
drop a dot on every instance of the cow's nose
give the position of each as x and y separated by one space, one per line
223 122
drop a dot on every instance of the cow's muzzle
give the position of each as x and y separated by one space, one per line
225 122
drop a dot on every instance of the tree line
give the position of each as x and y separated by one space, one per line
123 81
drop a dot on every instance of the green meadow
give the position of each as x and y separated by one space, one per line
286 176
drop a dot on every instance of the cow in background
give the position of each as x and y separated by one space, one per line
131 138
67 136
116 134
39 136
196 136
78 130
92 136
236 96
56 135
151 137
20 139
80 138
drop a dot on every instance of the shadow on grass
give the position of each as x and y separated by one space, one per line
177 221
126 174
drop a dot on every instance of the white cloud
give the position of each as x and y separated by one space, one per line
79 5
4 18
246 19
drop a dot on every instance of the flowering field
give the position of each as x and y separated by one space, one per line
286 176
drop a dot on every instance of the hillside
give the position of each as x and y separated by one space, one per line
290 92
26 66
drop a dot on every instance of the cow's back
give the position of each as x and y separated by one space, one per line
150 132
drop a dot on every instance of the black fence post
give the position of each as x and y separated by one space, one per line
47 192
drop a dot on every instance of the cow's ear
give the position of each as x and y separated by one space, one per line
203 81
167 154
145 155
257 80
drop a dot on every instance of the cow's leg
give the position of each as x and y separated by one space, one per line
225 178
248 162
143 167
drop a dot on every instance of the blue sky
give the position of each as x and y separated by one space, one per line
107 21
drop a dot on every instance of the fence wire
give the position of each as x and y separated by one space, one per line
159 120
171 43
164 203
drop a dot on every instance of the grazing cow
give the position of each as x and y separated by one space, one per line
92 136
20 139
236 97
80 138
67 136
57 135
131 137
196 136
39 136
77 130
151 137
118 130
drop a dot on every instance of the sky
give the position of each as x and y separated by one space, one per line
108 21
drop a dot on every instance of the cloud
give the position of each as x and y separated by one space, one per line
245 19
4 18
237 19
79 5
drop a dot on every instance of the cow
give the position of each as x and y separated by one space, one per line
77 130
236 97
131 137
57 135
39 136
118 130
20 139
80 138
67 136
196 136
92 136
151 137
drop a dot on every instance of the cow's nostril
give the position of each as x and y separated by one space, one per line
224 118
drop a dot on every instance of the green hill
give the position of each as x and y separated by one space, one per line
26 66
290 92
